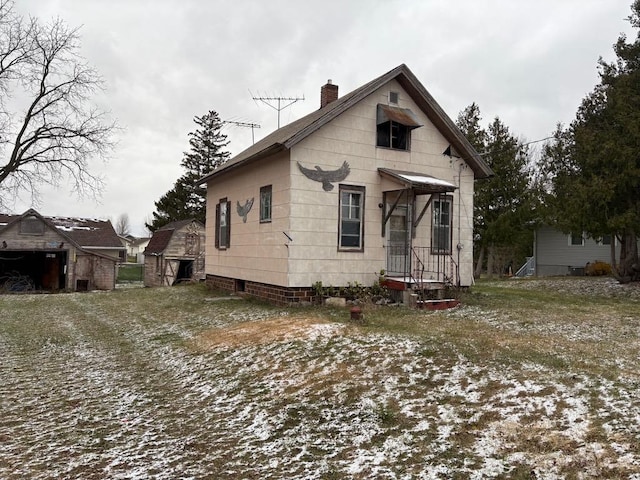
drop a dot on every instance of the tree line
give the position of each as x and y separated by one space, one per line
585 180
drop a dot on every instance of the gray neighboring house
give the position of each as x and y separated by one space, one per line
557 253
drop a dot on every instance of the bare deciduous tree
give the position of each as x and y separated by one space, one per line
49 130
123 227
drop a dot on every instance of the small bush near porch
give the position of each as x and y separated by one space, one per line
528 379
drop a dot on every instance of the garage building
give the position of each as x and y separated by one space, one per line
57 253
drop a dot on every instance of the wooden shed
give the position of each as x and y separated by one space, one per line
175 253
57 253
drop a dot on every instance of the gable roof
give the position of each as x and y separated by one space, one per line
83 232
287 136
161 237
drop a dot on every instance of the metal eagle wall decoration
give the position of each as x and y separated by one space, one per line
326 177
243 210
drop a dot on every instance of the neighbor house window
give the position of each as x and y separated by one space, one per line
351 224
223 224
393 98
576 240
265 204
604 240
441 225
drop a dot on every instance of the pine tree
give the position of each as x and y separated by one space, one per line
593 167
502 203
186 199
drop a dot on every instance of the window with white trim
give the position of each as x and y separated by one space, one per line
441 225
351 221
576 239
223 224
265 203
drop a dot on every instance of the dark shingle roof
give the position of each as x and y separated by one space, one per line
289 135
161 237
85 232
159 241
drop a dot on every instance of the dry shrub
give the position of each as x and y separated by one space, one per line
598 268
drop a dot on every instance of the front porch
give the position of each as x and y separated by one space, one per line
420 277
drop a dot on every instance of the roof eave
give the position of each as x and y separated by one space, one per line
270 150
443 122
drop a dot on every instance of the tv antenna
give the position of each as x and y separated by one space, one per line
288 101
252 126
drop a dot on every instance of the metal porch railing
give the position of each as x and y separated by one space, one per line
528 269
421 265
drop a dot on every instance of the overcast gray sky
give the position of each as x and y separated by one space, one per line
529 62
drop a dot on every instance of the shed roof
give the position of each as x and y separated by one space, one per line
287 136
159 241
161 237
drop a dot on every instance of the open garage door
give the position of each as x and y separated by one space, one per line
23 271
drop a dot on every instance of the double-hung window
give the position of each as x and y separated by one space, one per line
351 222
265 204
441 225
223 224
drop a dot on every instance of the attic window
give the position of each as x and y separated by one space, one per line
394 127
31 225
393 98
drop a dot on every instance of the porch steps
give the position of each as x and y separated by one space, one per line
408 283
412 292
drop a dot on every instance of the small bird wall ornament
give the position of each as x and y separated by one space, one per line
326 177
243 210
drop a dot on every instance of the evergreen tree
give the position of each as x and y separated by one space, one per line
186 199
593 167
503 204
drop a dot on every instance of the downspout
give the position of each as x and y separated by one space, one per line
459 245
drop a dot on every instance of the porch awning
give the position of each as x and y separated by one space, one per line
421 183
403 116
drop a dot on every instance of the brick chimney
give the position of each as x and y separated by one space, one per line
328 94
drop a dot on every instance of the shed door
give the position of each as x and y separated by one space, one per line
170 272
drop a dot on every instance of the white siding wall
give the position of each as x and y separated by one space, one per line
257 251
309 215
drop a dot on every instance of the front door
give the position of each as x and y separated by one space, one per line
398 242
